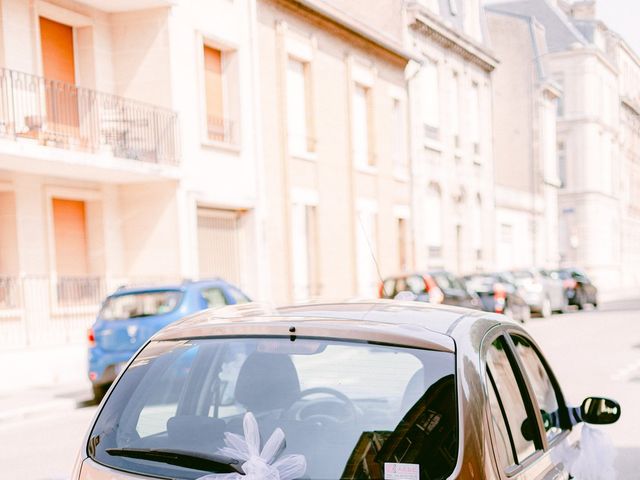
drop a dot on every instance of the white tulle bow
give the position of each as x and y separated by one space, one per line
592 459
259 465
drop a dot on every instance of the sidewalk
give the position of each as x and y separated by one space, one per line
46 400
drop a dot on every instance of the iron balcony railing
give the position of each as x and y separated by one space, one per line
221 129
67 116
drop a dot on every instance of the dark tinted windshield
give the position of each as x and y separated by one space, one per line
348 408
140 304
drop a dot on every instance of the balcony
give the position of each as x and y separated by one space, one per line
62 115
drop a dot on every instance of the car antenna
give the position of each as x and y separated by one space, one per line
373 255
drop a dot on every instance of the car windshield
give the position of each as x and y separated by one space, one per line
140 304
350 408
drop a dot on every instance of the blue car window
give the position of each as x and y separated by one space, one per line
214 297
237 295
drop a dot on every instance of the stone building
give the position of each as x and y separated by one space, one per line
451 135
596 73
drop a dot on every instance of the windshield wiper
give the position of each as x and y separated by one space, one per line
181 458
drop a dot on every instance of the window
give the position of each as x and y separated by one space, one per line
560 101
70 234
477 227
401 225
502 445
298 111
430 97
433 220
562 163
398 405
474 117
303 226
58 65
366 250
541 384
140 304
237 295
214 297
454 109
398 145
8 235
362 155
218 128
507 401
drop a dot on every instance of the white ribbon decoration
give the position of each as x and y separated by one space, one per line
259 465
592 459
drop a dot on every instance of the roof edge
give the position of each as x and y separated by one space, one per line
355 26
426 22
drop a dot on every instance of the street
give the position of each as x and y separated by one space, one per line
591 352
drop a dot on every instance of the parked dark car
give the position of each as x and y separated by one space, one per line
131 315
578 288
499 294
359 390
436 286
543 293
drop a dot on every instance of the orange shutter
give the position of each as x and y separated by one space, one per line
56 41
213 86
70 235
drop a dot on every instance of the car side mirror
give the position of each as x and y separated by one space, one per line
600 411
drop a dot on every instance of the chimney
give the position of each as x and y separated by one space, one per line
584 10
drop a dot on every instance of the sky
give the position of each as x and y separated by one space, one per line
621 16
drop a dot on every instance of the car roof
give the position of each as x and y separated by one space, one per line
416 324
124 290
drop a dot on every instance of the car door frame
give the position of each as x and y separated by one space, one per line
536 461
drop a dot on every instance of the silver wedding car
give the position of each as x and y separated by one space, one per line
356 390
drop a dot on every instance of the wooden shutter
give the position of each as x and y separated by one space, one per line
70 235
58 63
213 90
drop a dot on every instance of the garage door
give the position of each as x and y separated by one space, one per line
219 238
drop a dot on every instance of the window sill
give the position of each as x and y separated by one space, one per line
553 182
432 144
401 174
367 169
11 313
307 156
219 145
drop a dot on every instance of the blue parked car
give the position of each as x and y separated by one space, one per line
131 315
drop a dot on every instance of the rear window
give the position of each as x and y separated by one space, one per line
140 304
481 283
348 408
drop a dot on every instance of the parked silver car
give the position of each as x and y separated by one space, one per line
543 293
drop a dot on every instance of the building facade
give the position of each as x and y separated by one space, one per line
594 70
335 146
526 175
451 135
121 159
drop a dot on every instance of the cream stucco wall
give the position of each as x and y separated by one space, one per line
337 59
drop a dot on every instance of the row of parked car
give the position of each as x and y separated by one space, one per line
517 293
131 315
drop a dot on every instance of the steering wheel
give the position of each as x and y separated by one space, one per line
296 410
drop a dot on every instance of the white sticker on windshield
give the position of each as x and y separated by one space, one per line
401 471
